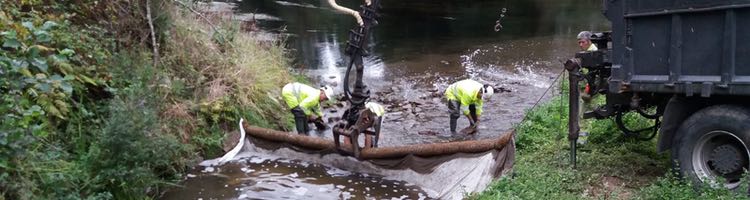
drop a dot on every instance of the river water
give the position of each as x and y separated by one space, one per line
418 49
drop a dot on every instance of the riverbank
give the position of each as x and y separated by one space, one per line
118 99
610 165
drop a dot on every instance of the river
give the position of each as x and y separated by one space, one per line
418 49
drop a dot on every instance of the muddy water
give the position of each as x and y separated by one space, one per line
257 177
419 48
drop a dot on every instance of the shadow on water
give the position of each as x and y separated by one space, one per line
418 49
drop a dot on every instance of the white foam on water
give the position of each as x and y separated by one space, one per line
256 16
286 3
300 191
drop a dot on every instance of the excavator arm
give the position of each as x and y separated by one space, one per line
356 118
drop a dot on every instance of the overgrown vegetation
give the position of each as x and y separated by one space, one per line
610 165
88 114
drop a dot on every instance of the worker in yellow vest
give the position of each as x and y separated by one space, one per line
585 97
466 96
584 41
304 103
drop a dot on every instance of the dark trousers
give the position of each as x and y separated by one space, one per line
300 120
454 108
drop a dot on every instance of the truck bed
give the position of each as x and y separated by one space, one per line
691 47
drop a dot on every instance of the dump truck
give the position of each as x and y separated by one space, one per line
685 64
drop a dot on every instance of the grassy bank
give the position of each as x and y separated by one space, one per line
91 111
610 166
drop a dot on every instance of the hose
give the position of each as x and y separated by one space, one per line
637 133
348 11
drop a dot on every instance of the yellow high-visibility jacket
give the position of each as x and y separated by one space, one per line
592 47
306 97
465 92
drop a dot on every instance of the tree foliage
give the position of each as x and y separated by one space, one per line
86 115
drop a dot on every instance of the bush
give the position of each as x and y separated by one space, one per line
131 156
87 115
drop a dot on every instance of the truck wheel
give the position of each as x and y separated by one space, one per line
713 147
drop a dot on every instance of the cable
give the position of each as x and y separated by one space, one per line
544 94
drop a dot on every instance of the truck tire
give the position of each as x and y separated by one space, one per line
713 146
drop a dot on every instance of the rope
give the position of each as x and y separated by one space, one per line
545 93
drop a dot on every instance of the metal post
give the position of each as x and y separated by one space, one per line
574 75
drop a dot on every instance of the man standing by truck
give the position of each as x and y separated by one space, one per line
584 41
304 102
466 96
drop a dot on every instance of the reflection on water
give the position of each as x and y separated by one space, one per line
409 29
265 178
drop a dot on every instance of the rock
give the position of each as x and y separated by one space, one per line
341 97
230 141
333 119
503 89
469 130
428 132
406 106
209 170
332 77
387 91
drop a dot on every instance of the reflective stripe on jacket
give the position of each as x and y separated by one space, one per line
304 96
465 92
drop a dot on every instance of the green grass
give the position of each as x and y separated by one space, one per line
610 165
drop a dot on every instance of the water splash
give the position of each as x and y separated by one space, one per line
469 63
